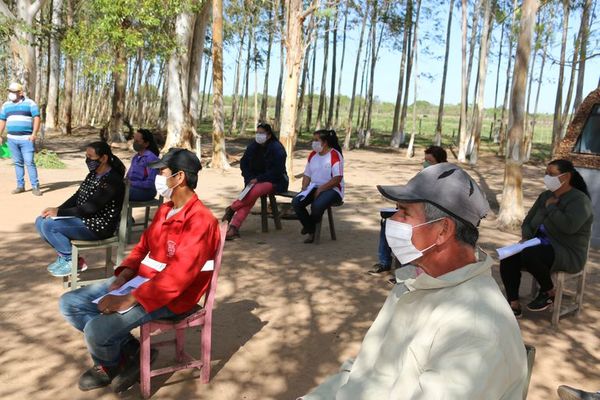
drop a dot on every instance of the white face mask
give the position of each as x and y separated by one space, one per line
261 138
12 96
160 183
399 237
317 146
552 182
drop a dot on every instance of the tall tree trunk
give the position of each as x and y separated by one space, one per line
323 92
463 95
504 114
472 47
397 136
438 126
410 57
247 82
256 111
236 85
567 107
585 32
282 47
333 66
339 90
369 107
494 121
410 152
311 97
54 67
115 126
528 131
305 70
219 155
195 70
355 79
294 44
478 108
511 206
556 125
540 79
264 105
68 100
206 65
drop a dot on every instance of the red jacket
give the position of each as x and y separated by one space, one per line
178 248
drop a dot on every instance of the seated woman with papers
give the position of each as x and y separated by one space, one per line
555 236
92 213
263 169
323 181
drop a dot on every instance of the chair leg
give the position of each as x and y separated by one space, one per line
129 224
331 224
146 217
179 345
275 209
108 261
560 282
145 361
206 348
318 232
74 262
580 290
263 214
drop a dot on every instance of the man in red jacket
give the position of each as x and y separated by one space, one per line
171 261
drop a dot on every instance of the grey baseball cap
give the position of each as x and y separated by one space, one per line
446 186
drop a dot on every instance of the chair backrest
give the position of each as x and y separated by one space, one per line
122 229
212 288
530 350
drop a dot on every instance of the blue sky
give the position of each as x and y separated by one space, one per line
430 65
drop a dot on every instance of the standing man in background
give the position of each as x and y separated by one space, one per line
21 117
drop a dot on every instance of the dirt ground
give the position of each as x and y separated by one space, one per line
287 314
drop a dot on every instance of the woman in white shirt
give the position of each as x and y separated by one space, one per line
323 181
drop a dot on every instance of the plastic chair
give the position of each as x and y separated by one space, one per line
139 204
118 241
560 308
202 317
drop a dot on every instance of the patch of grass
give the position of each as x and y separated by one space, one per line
49 160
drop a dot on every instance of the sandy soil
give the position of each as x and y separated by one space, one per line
287 314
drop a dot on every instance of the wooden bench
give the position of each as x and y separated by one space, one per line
277 215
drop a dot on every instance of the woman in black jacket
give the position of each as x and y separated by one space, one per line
92 213
263 167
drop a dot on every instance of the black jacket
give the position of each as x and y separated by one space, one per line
265 164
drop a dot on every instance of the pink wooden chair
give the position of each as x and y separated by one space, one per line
202 317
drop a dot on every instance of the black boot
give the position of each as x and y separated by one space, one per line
97 377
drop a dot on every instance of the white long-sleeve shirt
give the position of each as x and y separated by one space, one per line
453 337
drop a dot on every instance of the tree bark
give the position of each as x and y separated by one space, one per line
585 32
236 85
567 107
282 71
478 108
369 106
355 79
540 78
264 105
438 126
54 67
511 206
494 127
68 100
313 73
410 152
556 125
323 88
463 95
219 155
247 80
339 90
195 70
333 67
503 116
410 57
397 136
115 126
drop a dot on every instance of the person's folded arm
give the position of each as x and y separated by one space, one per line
106 192
572 218
198 244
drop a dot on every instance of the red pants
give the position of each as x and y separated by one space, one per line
242 207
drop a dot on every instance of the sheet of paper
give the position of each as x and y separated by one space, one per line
507 251
127 288
245 191
209 266
65 217
306 192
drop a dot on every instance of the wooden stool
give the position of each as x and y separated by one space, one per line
264 214
331 224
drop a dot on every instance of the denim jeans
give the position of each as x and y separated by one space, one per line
384 252
22 152
139 194
105 334
317 208
58 233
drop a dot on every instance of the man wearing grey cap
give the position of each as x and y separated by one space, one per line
449 333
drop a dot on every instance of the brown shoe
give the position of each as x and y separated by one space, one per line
232 233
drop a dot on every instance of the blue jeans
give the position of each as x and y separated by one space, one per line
317 208
139 194
22 152
384 251
59 233
105 334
